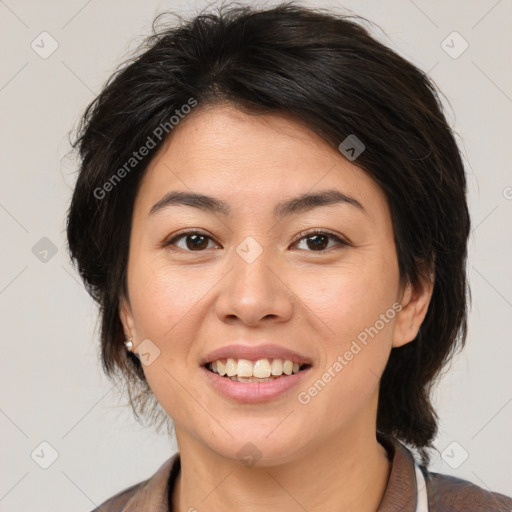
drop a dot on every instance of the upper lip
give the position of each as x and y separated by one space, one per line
253 353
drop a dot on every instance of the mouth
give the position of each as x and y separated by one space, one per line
250 382
260 370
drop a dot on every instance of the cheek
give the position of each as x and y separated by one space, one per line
163 297
355 305
164 303
349 298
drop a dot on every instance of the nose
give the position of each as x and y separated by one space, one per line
254 293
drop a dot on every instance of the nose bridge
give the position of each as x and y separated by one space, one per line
253 290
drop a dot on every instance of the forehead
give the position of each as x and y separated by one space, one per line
250 161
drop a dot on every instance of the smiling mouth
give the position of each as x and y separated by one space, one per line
261 370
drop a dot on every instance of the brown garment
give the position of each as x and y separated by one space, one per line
445 493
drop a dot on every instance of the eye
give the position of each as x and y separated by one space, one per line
318 240
315 240
194 241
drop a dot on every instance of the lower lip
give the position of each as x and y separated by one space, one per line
254 391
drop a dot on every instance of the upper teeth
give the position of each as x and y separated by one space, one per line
261 368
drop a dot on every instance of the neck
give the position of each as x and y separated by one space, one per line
348 472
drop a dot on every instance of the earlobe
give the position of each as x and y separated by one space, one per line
415 302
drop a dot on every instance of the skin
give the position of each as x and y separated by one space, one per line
322 455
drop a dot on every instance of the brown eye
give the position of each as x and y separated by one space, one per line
194 241
318 241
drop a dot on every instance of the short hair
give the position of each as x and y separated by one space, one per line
326 71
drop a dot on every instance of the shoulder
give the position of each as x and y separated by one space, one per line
148 495
448 493
445 493
119 501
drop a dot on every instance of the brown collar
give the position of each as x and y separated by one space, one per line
400 492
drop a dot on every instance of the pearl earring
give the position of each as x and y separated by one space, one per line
128 344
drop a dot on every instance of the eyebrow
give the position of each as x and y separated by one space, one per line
302 203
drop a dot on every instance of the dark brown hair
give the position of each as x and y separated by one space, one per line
326 71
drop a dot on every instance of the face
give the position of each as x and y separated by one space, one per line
263 270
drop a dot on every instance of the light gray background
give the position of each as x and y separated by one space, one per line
52 388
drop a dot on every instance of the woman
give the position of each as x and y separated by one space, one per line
271 213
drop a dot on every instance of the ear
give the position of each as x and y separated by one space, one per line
126 316
414 302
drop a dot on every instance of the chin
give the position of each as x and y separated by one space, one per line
257 445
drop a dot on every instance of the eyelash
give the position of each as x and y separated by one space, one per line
302 235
